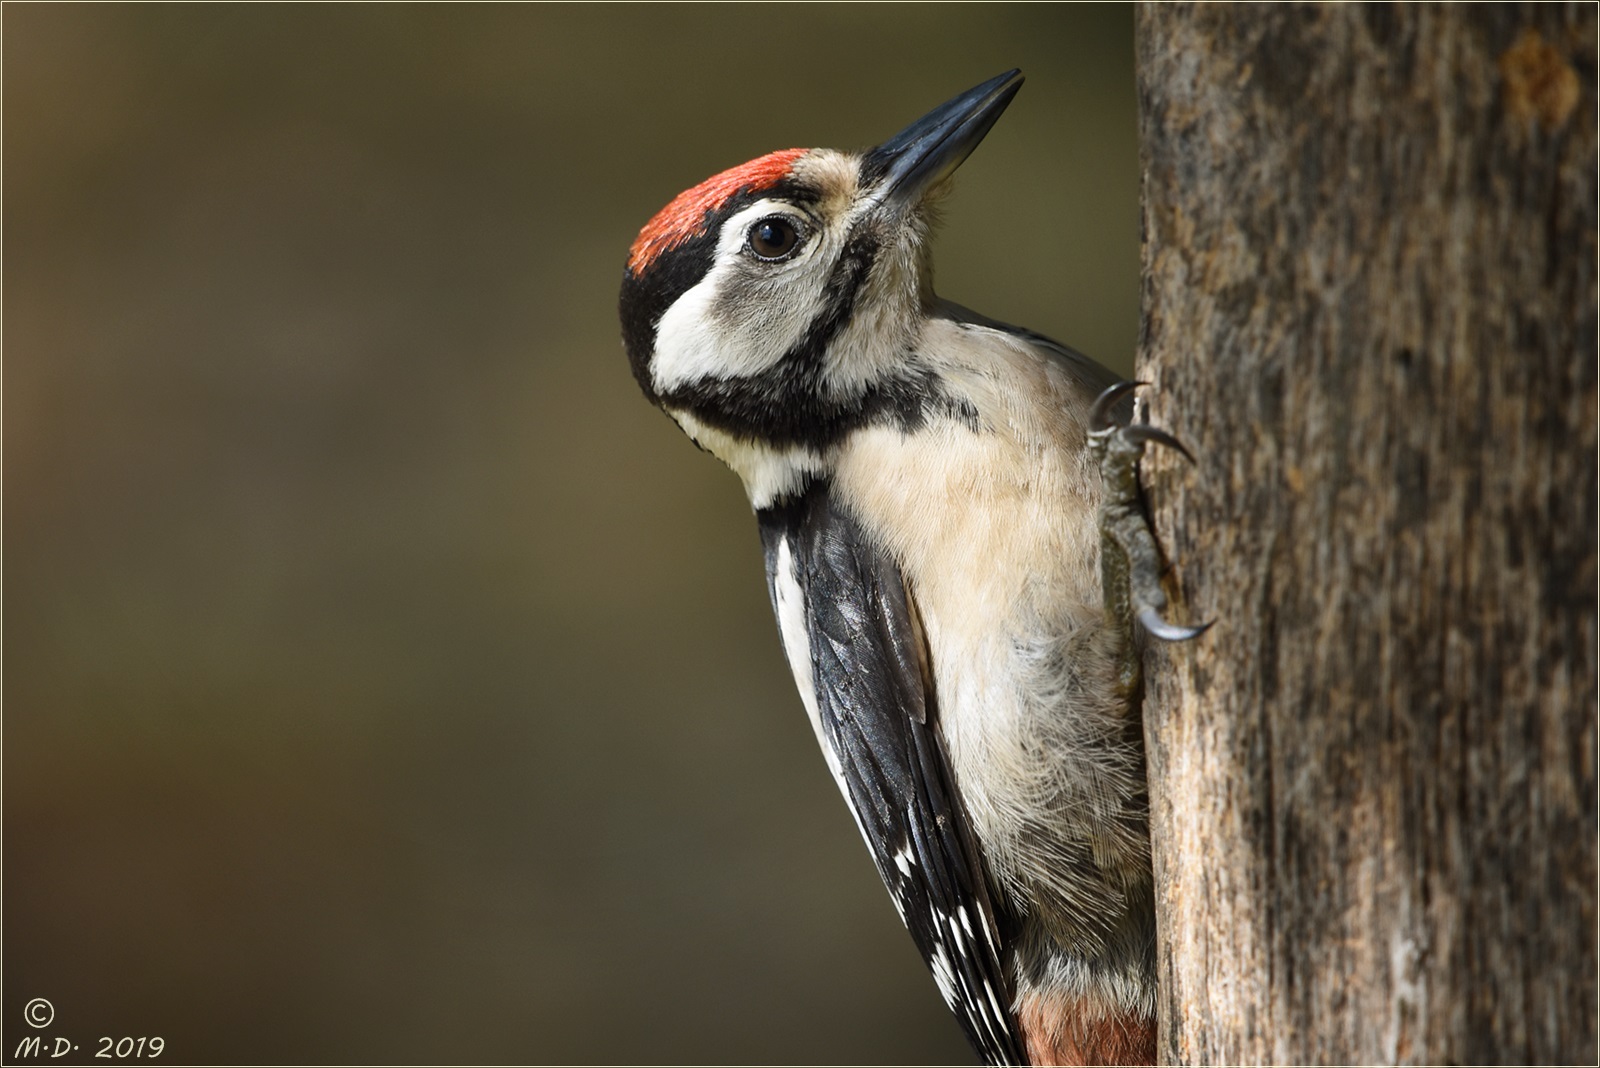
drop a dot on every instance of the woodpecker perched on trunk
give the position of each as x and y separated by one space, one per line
956 554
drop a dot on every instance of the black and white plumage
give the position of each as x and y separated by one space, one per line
928 492
858 658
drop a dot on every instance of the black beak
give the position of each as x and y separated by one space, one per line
917 158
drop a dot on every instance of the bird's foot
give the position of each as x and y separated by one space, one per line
1131 562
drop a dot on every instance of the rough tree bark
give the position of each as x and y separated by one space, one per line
1370 309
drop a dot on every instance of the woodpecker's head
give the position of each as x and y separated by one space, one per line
776 306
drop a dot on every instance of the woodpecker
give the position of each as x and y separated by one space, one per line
956 554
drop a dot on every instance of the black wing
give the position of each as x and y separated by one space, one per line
848 626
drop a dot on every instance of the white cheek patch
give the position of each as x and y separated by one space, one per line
731 325
692 344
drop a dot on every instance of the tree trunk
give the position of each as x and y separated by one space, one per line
1369 264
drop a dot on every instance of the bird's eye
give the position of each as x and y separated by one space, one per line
774 238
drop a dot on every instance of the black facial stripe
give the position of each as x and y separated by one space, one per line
844 286
786 405
646 297
777 409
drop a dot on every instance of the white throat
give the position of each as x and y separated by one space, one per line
769 472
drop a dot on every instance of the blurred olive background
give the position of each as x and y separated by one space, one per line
385 680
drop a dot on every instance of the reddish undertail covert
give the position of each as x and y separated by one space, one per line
685 216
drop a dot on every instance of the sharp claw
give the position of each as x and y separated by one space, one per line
1144 432
1151 620
1099 414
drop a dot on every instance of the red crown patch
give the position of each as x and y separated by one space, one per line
685 216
